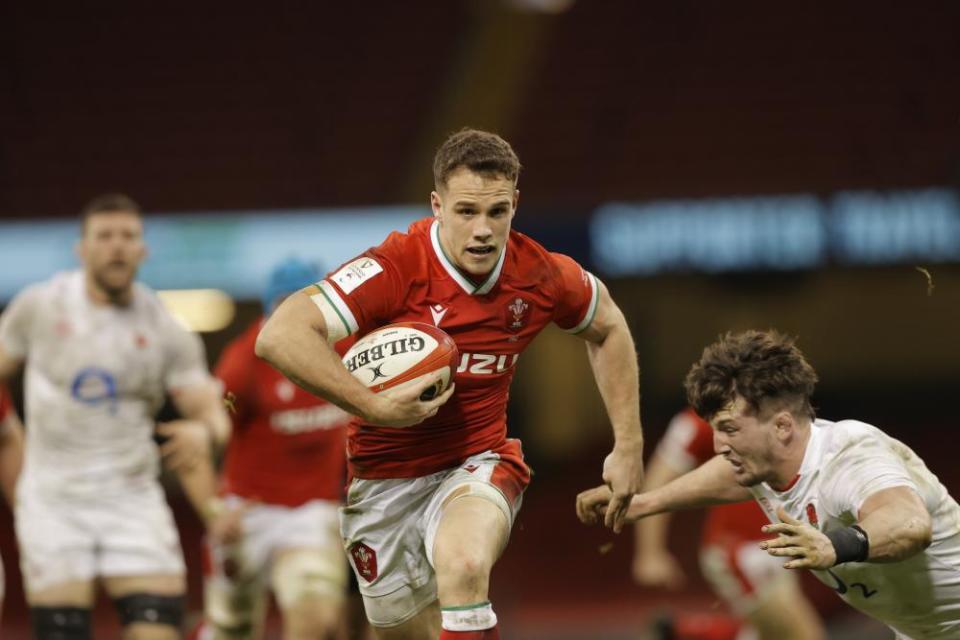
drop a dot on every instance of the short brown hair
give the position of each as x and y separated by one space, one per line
107 203
479 151
763 367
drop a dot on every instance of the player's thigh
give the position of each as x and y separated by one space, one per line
57 551
309 585
73 593
423 626
741 573
784 613
150 606
471 534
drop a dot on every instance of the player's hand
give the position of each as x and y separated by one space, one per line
623 473
592 504
404 408
658 570
805 545
187 442
225 522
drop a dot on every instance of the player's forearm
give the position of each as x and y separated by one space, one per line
301 354
199 483
651 533
614 364
11 456
710 483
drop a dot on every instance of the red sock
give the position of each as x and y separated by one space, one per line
486 634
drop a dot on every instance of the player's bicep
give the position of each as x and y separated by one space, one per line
895 503
198 400
606 318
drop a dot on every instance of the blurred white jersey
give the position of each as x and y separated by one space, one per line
845 463
95 378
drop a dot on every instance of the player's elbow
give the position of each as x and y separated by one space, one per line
268 343
923 530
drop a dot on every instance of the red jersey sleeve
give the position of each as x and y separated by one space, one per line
4 402
578 294
361 294
688 442
234 369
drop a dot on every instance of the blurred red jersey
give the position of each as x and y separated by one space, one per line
287 446
5 403
409 278
687 444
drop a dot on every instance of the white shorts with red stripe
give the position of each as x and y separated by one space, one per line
388 527
742 573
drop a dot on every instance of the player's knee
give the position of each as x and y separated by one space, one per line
60 623
311 620
146 616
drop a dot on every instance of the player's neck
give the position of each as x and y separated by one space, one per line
103 297
787 471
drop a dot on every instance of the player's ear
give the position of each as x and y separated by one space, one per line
436 204
784 423
516 199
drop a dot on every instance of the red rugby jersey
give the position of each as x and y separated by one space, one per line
287 445
408 278
687 444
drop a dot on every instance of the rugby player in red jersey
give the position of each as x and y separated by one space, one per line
436 484
283 476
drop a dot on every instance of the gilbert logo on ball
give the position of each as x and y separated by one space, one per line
402 355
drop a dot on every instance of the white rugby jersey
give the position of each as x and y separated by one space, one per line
845 463
95 378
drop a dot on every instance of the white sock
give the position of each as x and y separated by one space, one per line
472 617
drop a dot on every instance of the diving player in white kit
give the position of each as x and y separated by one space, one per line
100 353
854 505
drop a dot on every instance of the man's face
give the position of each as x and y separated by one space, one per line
111 249
475 213
746 441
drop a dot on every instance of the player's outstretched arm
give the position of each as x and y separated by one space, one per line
710 483
613 359
294 340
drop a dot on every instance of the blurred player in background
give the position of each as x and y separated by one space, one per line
283 481
751 582
430 506
858 508
101 351
11 457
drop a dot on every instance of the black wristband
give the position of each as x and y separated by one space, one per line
851 544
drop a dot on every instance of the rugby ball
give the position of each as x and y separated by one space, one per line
402 355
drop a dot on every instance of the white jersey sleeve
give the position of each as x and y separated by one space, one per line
17 321
186 363
863 462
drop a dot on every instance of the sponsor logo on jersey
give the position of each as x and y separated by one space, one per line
285 390
355 273
293 421
381 351
437 311
486 363
517 314
95 386
365 560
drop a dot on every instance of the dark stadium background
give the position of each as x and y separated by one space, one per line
224 107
